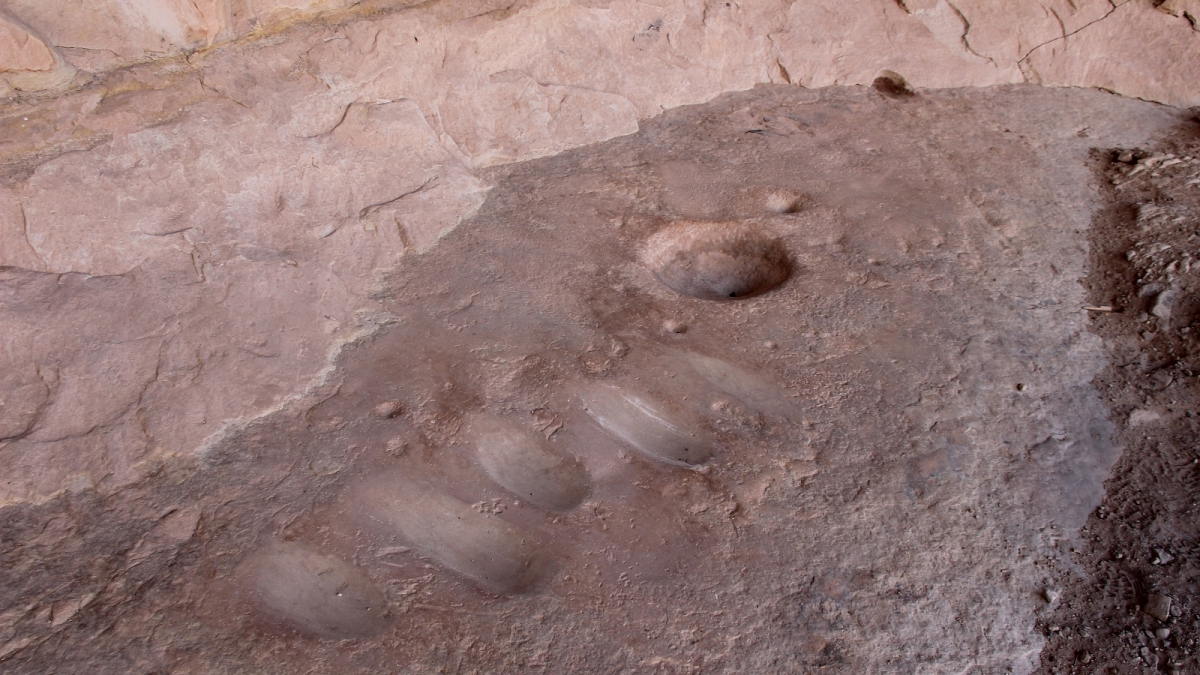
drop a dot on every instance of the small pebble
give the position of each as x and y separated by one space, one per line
1084 656
673 326
1161 557
770 344
388 409
1162 633
1159 606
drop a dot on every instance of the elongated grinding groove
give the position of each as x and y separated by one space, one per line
526 465
495 554
315 593
647 426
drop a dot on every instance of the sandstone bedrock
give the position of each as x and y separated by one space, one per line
901 439
232 233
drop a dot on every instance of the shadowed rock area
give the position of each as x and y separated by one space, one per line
541 453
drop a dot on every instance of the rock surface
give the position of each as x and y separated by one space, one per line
253 253
213 308
29 62
585 63
285 174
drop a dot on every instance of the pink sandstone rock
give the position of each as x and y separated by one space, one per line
1157 56
190 244
1184 9
27 62
21 51
291 175
543 60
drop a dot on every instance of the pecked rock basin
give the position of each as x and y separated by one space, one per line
718 261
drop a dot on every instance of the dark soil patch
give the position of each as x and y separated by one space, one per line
1141 547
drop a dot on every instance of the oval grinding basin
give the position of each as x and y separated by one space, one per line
753 390
315 593
493 553
716 260
647 426
526 465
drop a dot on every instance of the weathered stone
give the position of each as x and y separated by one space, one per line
15 249
1156 63
230 212
578 66
1158 606
21 51
191 249
1184 9
27 62
187 397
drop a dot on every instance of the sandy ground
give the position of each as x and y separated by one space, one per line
879 465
